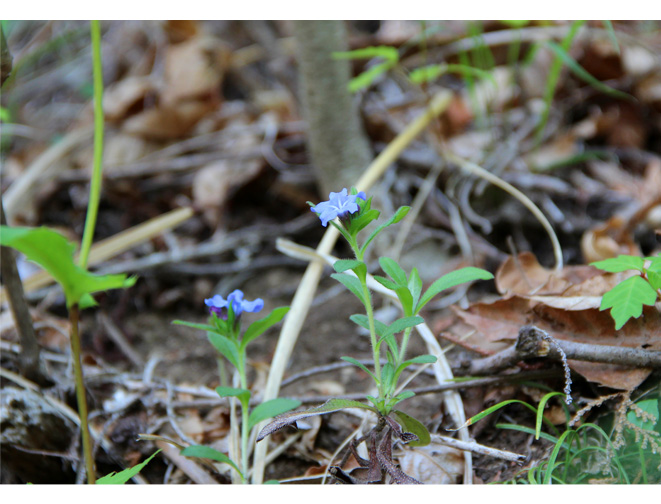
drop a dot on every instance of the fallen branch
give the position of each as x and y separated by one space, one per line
531 344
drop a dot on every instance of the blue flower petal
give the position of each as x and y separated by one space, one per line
339 204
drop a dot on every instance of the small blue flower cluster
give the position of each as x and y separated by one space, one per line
217 304
338 205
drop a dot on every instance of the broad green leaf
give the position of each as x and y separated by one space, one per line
415 286
54 253
341 265
386 52
387 376
393 269
363 220
228 348
258 327
452 279
270 409
399 215
242 394
329 406
207 452
405 298
414 426
582 74
653 272
386 282
403 323
358 364
627 298
351 283
123 476
620 263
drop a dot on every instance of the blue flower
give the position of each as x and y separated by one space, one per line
217 304
338 205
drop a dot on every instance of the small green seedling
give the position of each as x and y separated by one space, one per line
123 476
225 334
627 298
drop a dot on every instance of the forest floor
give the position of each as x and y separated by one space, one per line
207 116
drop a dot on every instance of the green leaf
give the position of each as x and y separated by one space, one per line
582 74
358 364
393 269
123 476
271 408
405 298
403 323
407 394
653 272
242 394
351 283
226 347
515 23
366 78
421 359
258 327
54 253
341 265
432 72
415 286
410 424
620 263
452 279
329 406
207 452
387 376
399 215
386 282
627 298
388 53
203 327
364 219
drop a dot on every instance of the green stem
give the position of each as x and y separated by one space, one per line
80 395
405 342
95 182
245 405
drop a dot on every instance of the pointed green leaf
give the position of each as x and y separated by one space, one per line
620 263
627 298
386 52
407 394
358 364
242 394
123 476
351 283
341 265
207 452
203 327
366 78
272 408
399 215
228 348
410 424
415 286
258 327
403 323
387 376
329 406
393 269
582 74
54 253
452 279
421 359
653 272
405 298
386 282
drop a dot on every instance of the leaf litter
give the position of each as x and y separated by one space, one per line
204 115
